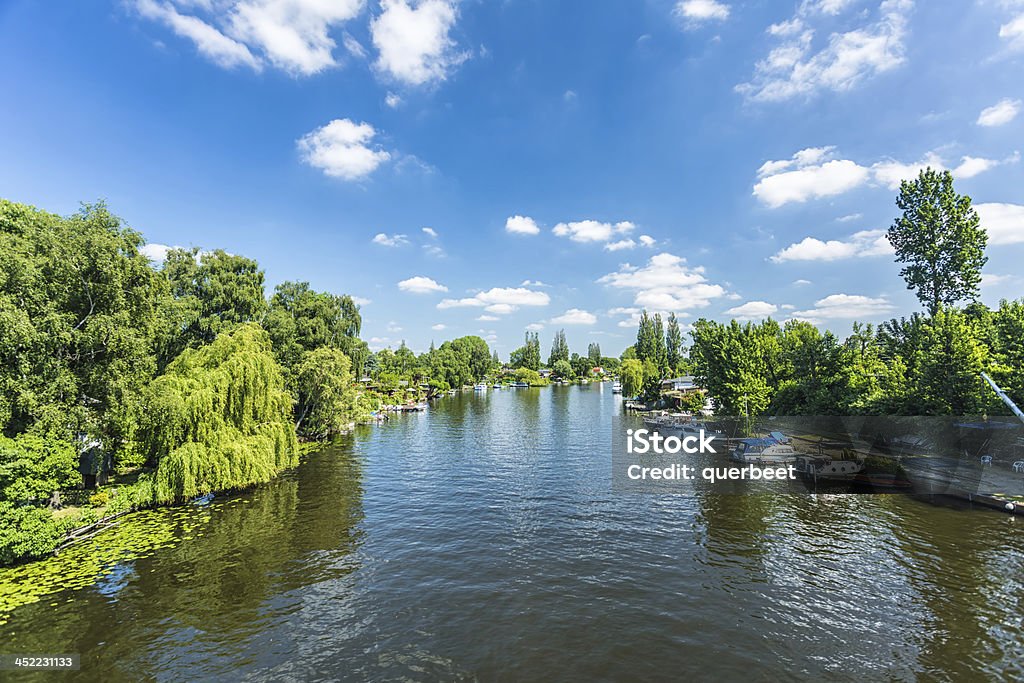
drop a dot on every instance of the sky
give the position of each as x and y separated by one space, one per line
485 167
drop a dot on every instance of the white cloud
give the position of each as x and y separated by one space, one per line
430 232
1003 222
499 300
532 283
574 316
786 28
535 327
805 177
696 12
292 35
794 69
863 243
850 217
438 327
386 240
421 285
487 318
891 173
992 280
354 47
394 327
1013 32
621 244
156 252
361 301
1000 113
413 41
752 310
802 283
666 283
647 240
521 225
845 307
392 100
591 230
211 42
342 149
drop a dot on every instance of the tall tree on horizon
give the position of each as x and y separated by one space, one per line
673 343
939 239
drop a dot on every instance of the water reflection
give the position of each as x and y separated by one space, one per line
482 540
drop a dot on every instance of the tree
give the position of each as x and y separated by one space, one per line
562 369
301 319
216 291
631 374
650 342
219 418
559 349
594 354
325 395
673 344
940 240
527 355
79 312
580 365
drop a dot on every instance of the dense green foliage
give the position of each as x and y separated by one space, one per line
559 349
527 355
940 240
631 374
219 418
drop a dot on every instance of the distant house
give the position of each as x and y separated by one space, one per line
597 371
685 384
544 372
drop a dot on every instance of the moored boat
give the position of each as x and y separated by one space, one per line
764 452
825 468
616 387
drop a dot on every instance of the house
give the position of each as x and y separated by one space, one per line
544 372
685 384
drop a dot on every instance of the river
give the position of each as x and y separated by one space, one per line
481 540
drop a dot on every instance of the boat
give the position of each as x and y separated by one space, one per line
496 386
480 387
764 452
824 468
680 424
616 387
520 385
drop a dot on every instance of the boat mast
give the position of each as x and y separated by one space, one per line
1006 399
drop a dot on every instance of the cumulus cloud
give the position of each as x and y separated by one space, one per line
812 173
1013 33
156 252
807 175
591 230
752 310
360 301
438 327
532 283
413 40
487 318
795 68
499 300
211 42
1000 113
421 285
863 243
574 316
342 149
665 283
429 232
845 307
1003 222
621 244
292 35
647 240
697 12
535 327
521 225
385 240
392 100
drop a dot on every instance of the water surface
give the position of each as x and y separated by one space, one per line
482 540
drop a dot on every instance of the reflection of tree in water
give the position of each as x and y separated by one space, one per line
224 576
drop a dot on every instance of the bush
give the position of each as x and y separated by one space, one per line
99 499
26 532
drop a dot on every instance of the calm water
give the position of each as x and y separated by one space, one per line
481 540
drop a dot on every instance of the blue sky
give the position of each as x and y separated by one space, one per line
481 167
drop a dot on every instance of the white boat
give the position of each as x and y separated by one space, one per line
616 387
764 452
480 387
680 424
824 468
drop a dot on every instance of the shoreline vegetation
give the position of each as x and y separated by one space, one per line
127 384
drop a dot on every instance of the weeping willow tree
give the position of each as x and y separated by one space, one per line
219 418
